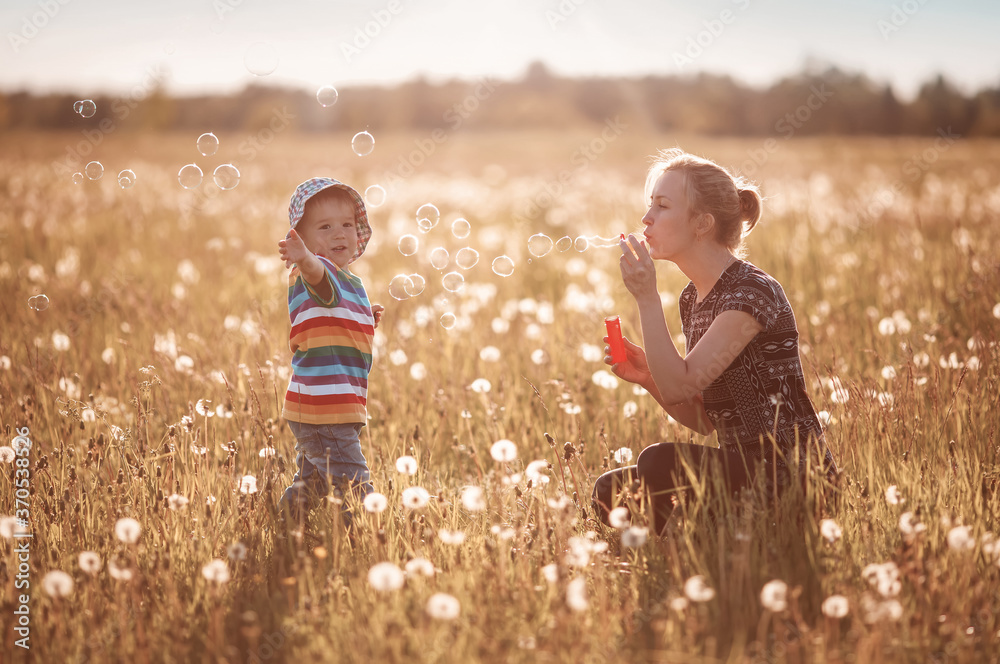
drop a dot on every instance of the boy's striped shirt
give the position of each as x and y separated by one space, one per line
331 344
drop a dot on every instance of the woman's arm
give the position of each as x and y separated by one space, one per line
635 370
681 379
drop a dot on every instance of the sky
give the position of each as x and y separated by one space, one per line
220 46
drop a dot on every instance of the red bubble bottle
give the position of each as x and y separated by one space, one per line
615 341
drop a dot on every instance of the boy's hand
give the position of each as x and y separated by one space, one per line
292 249
377 310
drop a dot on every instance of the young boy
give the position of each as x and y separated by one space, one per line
331 342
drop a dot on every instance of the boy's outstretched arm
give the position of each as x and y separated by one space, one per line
293 250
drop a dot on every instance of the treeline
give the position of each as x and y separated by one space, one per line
810 103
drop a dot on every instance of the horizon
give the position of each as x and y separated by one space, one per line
211 48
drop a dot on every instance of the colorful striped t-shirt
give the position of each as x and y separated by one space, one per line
331 344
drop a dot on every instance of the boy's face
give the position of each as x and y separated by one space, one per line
328 228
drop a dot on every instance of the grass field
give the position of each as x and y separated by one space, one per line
150 387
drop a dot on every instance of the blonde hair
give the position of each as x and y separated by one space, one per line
734 202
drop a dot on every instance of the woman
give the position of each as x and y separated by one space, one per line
741 375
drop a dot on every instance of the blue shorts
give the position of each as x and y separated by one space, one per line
326 454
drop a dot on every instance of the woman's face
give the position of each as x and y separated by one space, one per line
669 229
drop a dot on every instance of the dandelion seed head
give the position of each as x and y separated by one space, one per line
550 572
452 537
604 379
774 596
57 584
473 499
418 371
216 571
960 539
7 454
177 502
406 465
630 409
539 356
619 518
623 455
835 606
830 531
237 551
537 472
386 577
481 386
90 562
266 452
127 530
635 536
697 589
248 484
679 604
892 495
884 578
576 594
204 408
415 497
375 503
490 354
442 606
419 567
503 451
119 573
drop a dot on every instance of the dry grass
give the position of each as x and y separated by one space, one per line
898 303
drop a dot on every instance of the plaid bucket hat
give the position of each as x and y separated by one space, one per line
313 186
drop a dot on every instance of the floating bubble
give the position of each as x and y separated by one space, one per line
439 258
126 178
363 143
427 217
85 108
415 286
461 228
94 170
189 176
327 96
208 144
39 302
78 178
539 244
466 258
399 285
375 195
226 176
503 266
408 245
565 243
453 282
581 243
448 320
260 59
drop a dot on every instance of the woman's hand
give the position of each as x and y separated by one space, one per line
292 249
638 270
634 369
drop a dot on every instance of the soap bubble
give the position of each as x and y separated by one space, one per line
208 144
189 176
408 245
375 195
565 243
399 285
327 96
226 176
94 170
363 143
503 266
453 281
466 258
126 178
85 108
448 320
39 302
539 244
427 217
581 243
78 178
260 59
460 228
415 286
439 258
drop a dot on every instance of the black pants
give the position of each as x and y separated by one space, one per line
664 470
